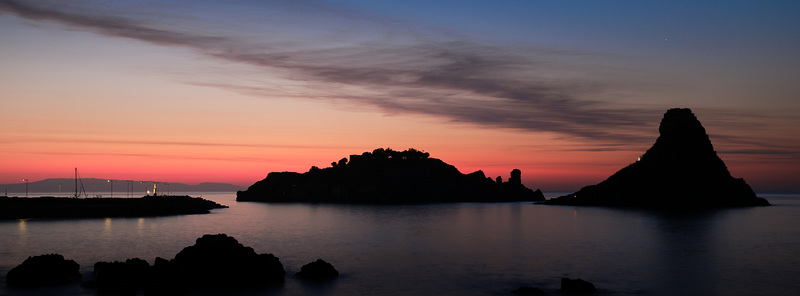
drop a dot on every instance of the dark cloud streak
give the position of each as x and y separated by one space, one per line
461 81
110 26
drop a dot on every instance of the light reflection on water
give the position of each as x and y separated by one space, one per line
23 234
107 227
468 249
23 228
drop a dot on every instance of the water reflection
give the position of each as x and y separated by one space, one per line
22 225
686 257
107 227
466 249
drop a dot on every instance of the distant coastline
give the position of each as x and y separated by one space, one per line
65 187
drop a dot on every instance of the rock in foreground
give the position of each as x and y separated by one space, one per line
318 270
576 286
221 261
120 277
42 271
213 262
389 177
527 291
681 170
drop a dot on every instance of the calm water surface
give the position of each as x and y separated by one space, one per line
465 249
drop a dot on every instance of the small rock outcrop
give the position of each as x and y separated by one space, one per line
576 286
385 176
681 170
42 271
120 277
527 291
318 270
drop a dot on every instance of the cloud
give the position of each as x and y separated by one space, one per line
539 90
177 143
111 26
170 157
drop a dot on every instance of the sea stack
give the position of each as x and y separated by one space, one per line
681 170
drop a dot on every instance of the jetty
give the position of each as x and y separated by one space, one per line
146 206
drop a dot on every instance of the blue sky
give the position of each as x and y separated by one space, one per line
562 89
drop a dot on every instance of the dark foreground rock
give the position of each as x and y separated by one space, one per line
527 291
221 261
681 170
576 286
42 271
318 270
120 277
52 207
389 177
213 262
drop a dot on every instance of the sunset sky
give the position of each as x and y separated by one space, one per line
567 91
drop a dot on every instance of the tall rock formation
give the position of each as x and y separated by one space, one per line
680 170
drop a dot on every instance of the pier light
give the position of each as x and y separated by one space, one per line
112 187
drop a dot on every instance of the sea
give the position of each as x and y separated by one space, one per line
453 249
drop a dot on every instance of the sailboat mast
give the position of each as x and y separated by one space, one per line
76 182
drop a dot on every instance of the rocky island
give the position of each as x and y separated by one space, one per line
385 176
681 170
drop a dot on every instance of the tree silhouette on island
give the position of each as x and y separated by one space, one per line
681 170
386 176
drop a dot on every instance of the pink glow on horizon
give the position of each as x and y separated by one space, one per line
549 173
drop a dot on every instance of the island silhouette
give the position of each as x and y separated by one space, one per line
386 176
681 170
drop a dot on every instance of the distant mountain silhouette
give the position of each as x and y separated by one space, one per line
680 170
120 188
388 176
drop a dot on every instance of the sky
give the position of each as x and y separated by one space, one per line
568 92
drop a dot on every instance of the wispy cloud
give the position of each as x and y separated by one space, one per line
175 143
522 88
161 156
